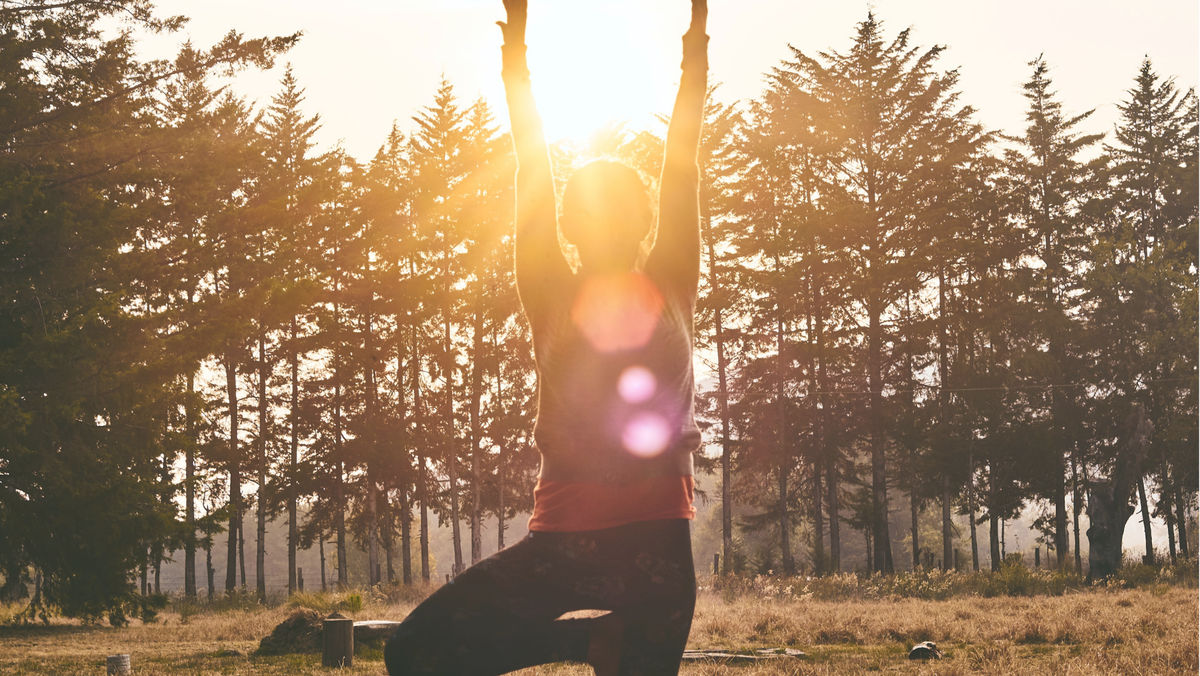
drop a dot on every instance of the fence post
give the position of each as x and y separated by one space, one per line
716 564
1037 557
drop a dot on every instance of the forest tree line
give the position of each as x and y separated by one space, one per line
209 315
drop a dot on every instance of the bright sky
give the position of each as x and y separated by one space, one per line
366 63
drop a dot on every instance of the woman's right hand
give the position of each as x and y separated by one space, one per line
514 27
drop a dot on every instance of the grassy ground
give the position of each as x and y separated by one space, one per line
1149 630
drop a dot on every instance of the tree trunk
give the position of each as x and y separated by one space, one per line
423 498
835 526
1061 544
994 540
817 453
1108 500
818 521
916 529
235 476
785 542
476 475
372 529
321 552
422 483
386 532
1181 520
943 424
1164 506
1148 557
947 526
1075 500
971 510
405 506
879 507
372 441
242 549
451 451
500 461
189 491
867 540
209 571
339 526
339 490
260 545
405 537
1003 542
158 569
294 459
723 403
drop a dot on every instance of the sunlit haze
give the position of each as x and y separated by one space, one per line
366 63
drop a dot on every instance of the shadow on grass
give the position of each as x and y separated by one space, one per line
35 630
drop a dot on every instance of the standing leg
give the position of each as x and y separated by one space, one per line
495 617
644 572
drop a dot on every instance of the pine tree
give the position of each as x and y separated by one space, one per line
1140 285
1053 186
896 128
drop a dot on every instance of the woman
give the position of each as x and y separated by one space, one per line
615 428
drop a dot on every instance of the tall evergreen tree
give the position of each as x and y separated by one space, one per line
1053 185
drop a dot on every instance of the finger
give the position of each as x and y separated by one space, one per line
699 11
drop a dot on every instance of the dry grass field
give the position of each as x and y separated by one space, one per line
1148 630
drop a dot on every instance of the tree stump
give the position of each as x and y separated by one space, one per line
338 648
119 665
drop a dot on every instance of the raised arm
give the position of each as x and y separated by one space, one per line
541 267
675 258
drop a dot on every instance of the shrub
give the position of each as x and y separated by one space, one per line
1013 579
326 603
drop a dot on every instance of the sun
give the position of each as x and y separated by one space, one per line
595 64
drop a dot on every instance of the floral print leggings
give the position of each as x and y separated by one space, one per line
501 614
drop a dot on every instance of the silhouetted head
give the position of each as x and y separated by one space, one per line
606 214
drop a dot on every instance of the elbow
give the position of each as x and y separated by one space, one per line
682 167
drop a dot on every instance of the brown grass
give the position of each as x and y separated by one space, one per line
1151 630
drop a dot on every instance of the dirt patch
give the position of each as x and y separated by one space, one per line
299 633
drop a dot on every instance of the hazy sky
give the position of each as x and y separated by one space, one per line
366 63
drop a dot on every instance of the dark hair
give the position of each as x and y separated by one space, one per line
606 199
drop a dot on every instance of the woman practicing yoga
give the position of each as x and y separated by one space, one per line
615 426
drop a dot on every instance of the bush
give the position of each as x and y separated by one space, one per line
1013 579
326 603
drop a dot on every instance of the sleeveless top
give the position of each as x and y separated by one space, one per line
616 424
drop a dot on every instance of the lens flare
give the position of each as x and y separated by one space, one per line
646 435
617 312
636 384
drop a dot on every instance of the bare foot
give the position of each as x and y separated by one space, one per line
604 648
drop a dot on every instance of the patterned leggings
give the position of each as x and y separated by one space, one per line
500 614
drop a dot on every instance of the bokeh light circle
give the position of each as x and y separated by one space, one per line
646 435
636 384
